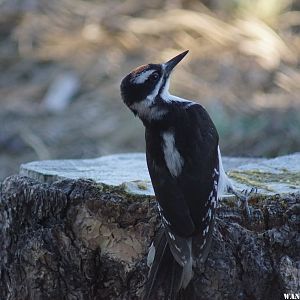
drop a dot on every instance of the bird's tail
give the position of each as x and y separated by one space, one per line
165 273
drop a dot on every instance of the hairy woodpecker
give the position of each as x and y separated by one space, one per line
185 166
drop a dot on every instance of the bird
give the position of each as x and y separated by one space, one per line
185 166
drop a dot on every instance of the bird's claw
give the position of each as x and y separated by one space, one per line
247 193
244 197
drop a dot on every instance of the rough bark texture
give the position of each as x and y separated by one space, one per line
75 239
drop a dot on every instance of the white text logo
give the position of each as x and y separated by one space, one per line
291 296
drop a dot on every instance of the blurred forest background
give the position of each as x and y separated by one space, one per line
62 62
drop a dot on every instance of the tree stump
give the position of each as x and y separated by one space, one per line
69 238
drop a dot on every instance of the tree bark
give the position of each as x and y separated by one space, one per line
77 239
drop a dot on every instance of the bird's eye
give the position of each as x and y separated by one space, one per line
154 76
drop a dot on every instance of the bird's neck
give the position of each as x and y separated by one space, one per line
152 111
156 107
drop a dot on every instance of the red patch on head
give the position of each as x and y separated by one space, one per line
139 69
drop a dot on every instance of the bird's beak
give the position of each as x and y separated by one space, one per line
169 65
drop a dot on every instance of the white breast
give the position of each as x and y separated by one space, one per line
224 182
173 159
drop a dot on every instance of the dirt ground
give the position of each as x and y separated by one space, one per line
62 62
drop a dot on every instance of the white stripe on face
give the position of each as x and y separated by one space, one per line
144 108
142 77
155 92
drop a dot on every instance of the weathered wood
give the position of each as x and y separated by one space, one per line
129 171
77 239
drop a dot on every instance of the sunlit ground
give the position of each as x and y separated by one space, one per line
62 63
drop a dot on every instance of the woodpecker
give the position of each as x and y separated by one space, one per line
185 167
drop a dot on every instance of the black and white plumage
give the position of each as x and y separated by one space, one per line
185 166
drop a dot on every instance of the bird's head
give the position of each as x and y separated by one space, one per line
140 87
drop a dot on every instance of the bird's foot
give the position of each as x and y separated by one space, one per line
243 198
